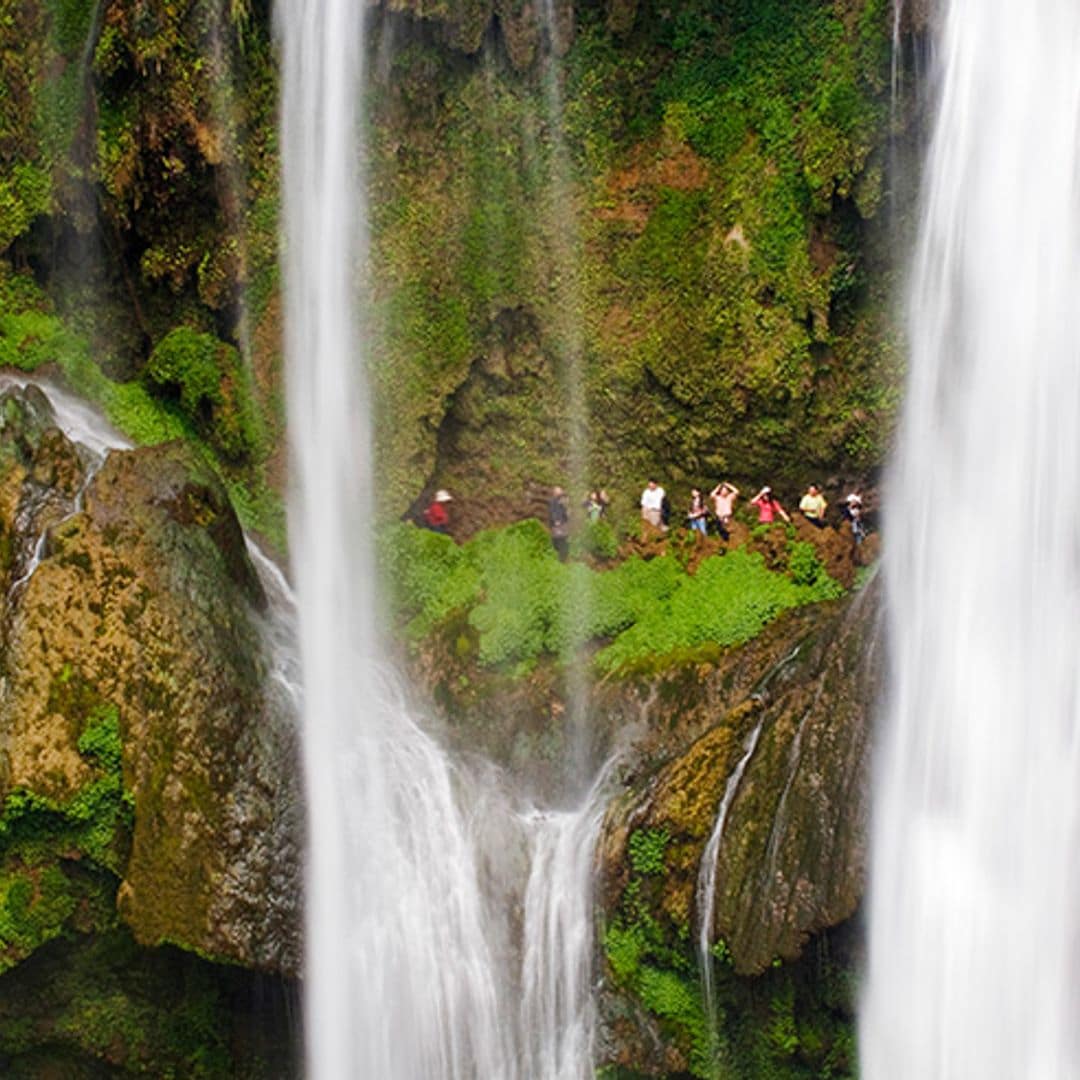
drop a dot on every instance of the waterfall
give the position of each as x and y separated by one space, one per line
400 982
412 969
567 330
973 967
705 893
557 1016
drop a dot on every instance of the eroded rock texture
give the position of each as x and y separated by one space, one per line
143 607
792 858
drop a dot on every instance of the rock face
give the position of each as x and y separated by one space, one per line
791 861
465 23
792 857
790 864
144 606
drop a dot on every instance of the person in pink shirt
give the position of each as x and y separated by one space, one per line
768 507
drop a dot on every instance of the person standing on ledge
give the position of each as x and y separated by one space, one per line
852 511
436 517
768 507
723 499
652 505
698 512
812 506
559 523
595 505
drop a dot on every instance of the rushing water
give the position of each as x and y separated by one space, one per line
413 966
974 922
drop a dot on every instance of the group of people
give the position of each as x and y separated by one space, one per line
718 505
656 508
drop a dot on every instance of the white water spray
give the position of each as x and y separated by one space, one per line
557 1014
974 923
409 972
400 981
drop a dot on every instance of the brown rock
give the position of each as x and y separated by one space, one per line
792 858
145 600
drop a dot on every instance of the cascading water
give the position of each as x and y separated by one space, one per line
410 967
973 967
557 1016
400 981
705 893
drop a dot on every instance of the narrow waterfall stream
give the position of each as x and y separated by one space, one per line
705 892
974 919
412 958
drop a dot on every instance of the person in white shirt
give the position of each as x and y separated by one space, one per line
652 505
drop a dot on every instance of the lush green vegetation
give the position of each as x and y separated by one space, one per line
720 287
60 857
202 396
99 1005
523 603
212 384
792 1023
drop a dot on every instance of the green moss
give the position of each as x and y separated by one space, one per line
651 964
33 336
24 194
795 1022
706 255
100 1005
212 386
60 857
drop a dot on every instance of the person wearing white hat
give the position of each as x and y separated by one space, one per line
436 517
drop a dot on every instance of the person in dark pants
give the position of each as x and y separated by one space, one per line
812 507
559 523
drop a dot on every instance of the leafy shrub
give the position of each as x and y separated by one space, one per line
728 601
804 566
209 378
598 539
647 848
524 603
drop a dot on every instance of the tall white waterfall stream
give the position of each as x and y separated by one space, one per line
413 966
974 967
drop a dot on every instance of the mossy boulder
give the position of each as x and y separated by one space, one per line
792 858
790 866
144 608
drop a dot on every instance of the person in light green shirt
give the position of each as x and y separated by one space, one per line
812 506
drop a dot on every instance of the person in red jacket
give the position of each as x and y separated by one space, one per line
436 517
769 508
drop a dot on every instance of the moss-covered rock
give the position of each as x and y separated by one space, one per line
686 214
144 607
790 864
694 238
101 1006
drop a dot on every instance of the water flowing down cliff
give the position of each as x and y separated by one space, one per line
973 914
411 955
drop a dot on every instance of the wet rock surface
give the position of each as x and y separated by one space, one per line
792 858
143 604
